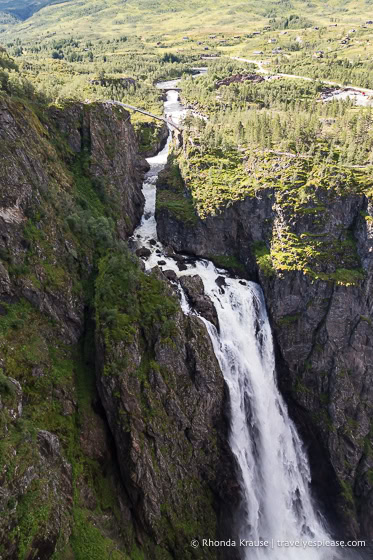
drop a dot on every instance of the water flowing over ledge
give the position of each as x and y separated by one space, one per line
272 465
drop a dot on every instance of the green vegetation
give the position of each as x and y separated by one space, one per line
348 494
127 298
22 8
275 138
49 370
176 197
288 320
65 237
215 178
88 542
263 258
284 115
229 263
148 133
165 19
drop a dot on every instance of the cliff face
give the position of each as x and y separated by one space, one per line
314 263
152 135
86 467
164 395
50 202
66 166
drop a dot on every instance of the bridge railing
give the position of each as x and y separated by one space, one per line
167 120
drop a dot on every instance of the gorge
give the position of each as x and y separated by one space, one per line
132 426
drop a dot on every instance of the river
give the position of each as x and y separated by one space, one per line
273 468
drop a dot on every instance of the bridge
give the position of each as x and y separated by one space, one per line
167 120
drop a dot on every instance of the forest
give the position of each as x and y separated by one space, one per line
280 114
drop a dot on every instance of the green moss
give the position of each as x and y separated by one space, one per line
178 205
263 258
148 132
369 476
367 320
188 523
227 262
348 494
17 316
7 387
289 319
312 255
88 542
175 197
215 179
126 298
87 196
347 277
32 232
301 388
30 340
32 514
55 276
137 554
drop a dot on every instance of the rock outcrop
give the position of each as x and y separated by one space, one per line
314 264
152 137
195 292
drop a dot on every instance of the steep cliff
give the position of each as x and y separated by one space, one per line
128 467
58 190
310 247
152 135
163 391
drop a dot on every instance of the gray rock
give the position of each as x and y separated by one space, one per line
171 275
143 252
167 418
194 289
181 266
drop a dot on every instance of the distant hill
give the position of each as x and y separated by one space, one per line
24 9
175 18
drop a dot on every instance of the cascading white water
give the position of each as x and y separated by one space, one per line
273 466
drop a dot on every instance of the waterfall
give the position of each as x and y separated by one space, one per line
272 464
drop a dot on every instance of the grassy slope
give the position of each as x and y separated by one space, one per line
175 18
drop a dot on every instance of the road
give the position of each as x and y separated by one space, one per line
262 70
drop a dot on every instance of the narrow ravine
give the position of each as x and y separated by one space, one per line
272 464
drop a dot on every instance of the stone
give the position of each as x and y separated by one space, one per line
143 252
181 266
163 429
220 281
171 275
195 292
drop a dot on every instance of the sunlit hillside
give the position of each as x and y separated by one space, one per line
107 18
